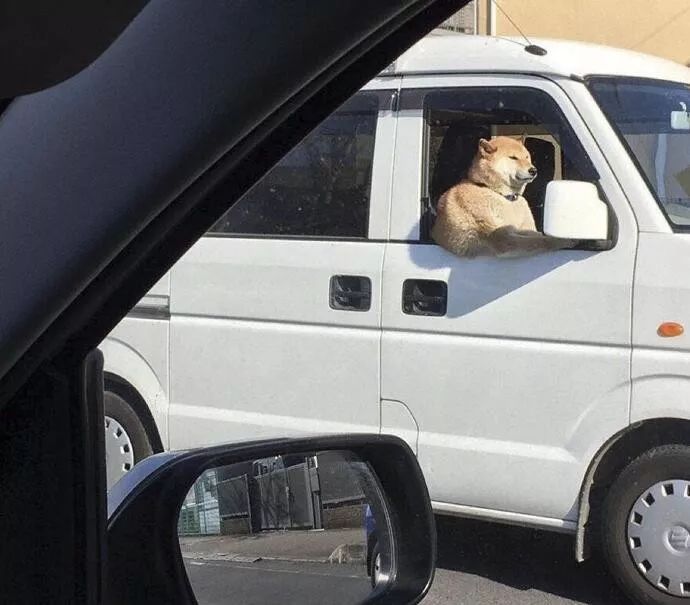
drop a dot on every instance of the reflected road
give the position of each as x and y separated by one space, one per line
264 582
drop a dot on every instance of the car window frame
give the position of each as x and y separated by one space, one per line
49 330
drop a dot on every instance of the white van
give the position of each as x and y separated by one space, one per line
530 388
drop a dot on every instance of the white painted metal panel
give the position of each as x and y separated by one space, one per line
257 351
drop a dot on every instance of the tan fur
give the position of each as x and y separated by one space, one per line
474 217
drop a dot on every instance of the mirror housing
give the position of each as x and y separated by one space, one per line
144 509
573 210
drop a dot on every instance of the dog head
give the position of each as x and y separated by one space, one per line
504 164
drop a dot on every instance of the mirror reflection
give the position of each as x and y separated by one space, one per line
295 528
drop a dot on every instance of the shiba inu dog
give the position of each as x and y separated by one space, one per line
486 213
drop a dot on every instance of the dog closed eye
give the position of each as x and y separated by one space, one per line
513 157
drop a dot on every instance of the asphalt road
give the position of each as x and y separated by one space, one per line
271 582
486 564
478 564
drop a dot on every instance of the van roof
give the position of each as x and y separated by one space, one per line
456 53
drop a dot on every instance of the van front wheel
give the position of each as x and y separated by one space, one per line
126 441
646 527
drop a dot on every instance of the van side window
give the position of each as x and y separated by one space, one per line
322 187
455 120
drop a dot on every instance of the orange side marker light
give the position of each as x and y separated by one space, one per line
669 329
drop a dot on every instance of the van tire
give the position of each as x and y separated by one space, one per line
650 473
126 440
375 566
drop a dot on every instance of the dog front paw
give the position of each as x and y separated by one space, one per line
560 243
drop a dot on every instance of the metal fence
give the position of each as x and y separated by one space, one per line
270 497
233 497
286 500
199 514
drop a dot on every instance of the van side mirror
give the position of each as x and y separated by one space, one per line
573 210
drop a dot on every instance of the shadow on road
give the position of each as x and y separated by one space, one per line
524 559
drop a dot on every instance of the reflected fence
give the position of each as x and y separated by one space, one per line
281 493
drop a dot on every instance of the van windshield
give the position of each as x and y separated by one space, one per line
651 117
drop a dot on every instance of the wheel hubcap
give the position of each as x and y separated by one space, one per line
377 570
659 536
119 453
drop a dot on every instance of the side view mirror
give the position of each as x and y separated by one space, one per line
337 519
573 210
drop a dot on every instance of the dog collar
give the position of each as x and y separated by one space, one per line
511 197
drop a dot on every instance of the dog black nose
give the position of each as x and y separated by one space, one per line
532 171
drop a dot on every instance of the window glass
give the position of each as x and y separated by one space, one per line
322 187
652 118
457 118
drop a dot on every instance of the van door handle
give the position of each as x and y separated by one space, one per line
350 293
424 297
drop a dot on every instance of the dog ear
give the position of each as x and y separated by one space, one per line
523 138
486 147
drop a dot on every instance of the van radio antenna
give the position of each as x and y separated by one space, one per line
533 49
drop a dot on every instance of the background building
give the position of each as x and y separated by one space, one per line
657 27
